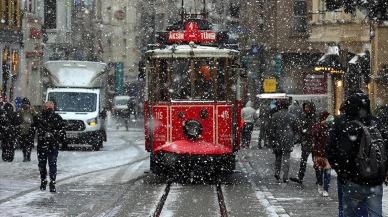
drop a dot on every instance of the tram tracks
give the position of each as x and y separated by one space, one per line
217 193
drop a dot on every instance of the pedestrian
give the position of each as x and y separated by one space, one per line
342 145
8 131
362 211
25 116
284 127
263 122
321 164
249 115
307 140
51 132
132 107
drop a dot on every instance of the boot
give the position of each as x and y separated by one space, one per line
52 187
29 156
320 189
43 185
294 179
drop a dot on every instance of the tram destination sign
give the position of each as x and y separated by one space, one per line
191 33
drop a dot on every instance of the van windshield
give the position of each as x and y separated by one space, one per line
74 102
121 101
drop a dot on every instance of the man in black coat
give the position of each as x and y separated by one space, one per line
51 132
342 145
306 124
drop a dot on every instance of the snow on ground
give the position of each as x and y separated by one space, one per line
18 178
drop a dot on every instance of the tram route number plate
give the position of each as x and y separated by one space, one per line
72 135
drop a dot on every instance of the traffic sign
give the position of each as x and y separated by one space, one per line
255 49
269 85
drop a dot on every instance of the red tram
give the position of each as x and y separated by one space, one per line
192 106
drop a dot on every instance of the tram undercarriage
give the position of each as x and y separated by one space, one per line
184 164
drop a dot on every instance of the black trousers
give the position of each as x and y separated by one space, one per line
26 143
303 164
50 156
246 134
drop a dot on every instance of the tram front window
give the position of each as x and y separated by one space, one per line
198 79
203 82
181 80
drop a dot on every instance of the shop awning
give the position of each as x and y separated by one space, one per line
329 60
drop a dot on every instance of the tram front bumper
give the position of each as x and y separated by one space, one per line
181 163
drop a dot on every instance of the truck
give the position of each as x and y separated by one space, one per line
78 90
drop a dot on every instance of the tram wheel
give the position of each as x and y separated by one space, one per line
229 163
156 164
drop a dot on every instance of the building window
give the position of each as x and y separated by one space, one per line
29 6
300 16
50 14
261 22
234 10
10 13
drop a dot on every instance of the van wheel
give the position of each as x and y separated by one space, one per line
96 146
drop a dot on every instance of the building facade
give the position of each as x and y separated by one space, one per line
276 42
349 35
11 41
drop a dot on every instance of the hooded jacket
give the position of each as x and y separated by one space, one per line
340 150
248 113
306 126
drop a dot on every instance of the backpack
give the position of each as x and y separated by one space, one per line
26 122
371 158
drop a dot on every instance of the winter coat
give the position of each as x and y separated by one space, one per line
9 123
51 129
319 135
25 115
306 127
283 128
340 150
248 113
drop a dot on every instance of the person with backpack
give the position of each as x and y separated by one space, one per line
360 172
51 132
25 115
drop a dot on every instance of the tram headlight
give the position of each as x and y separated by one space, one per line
192 128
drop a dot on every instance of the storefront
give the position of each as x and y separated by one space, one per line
10 64
329 68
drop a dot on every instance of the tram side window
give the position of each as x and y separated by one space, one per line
221 81
180 71
163 81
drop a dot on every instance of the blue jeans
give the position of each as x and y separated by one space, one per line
355 195
323 178
50 156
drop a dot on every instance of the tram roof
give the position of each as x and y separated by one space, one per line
185 51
